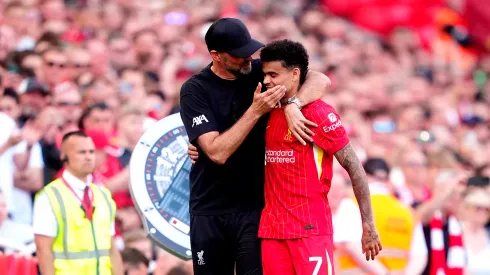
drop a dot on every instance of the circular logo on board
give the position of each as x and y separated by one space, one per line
159 184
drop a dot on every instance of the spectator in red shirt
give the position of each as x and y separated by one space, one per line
297 216
106 165
97 116
130 129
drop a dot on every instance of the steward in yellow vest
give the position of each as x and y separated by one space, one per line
396 225
80 241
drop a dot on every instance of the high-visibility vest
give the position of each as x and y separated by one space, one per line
81 246
395 224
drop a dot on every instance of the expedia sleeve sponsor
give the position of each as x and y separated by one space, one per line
280 156
332 127
330 135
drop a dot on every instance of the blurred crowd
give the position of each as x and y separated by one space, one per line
114 67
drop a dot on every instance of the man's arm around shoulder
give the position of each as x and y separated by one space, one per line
315 87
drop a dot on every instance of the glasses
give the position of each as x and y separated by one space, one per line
67 104
481 208
52 64
81 66
120 50
416 164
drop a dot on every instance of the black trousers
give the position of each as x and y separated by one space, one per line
221 243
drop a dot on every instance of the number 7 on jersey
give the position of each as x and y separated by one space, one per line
318 265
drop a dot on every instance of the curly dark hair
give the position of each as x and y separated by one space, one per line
291 55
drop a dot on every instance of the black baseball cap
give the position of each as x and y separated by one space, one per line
32 85
377 167
231 36
478 181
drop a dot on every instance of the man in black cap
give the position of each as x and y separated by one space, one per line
226 120
34 96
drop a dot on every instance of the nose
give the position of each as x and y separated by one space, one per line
267 80
248 58
89 156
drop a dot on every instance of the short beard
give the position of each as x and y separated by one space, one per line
240 72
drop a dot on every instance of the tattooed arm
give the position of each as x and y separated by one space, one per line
371 244
348 159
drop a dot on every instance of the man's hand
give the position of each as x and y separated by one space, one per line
445 188
128 219
192 152
453 184
266 101
14 139
297 123
31 133
371 245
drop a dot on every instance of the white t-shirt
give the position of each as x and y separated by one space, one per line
16 237
8 128
348 226
44 219
478 262
22 211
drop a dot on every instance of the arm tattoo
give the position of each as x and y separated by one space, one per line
348 159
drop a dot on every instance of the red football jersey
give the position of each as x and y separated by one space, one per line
297 177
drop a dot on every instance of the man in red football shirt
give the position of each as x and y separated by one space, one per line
296 223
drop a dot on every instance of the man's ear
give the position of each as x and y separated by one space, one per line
63 157
296 74
215 55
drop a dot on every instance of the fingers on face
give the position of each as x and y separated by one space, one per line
273 90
